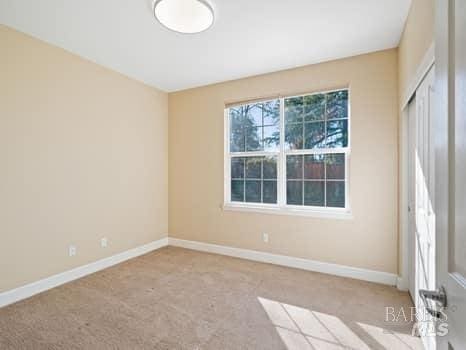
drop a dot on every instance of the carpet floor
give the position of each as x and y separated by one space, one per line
176 298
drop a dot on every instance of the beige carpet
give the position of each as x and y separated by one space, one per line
180 299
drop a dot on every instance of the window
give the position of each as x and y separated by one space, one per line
289 153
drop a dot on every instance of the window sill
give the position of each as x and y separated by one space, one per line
328 213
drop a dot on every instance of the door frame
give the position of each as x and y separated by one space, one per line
445 149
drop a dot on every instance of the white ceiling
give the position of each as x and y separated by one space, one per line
249 37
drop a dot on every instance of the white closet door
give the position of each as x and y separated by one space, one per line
424 218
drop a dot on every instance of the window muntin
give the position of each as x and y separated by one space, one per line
306 139
316 180
255 127
254 179
317 121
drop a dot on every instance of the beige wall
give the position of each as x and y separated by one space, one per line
369 240
416 39
83 155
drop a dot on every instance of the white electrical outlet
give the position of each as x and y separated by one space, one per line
265 237
72 250
104 242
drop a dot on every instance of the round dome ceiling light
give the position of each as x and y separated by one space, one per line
184 16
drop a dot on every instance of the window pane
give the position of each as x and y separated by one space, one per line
271 138
314 193
254 139
237 138
253 167
236 117
314 135
314 107
253 114
314 166
337 133
237 168
294 192
337 104
294 167
270 191
294 136
294 109
336 166
270 168
272 112
237 130
336 194
237 190
253 191
247 132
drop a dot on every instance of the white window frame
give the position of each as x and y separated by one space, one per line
282 207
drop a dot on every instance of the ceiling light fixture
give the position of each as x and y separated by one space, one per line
184 16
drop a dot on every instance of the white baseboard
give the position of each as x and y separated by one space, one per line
305 264
42 285
402 284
